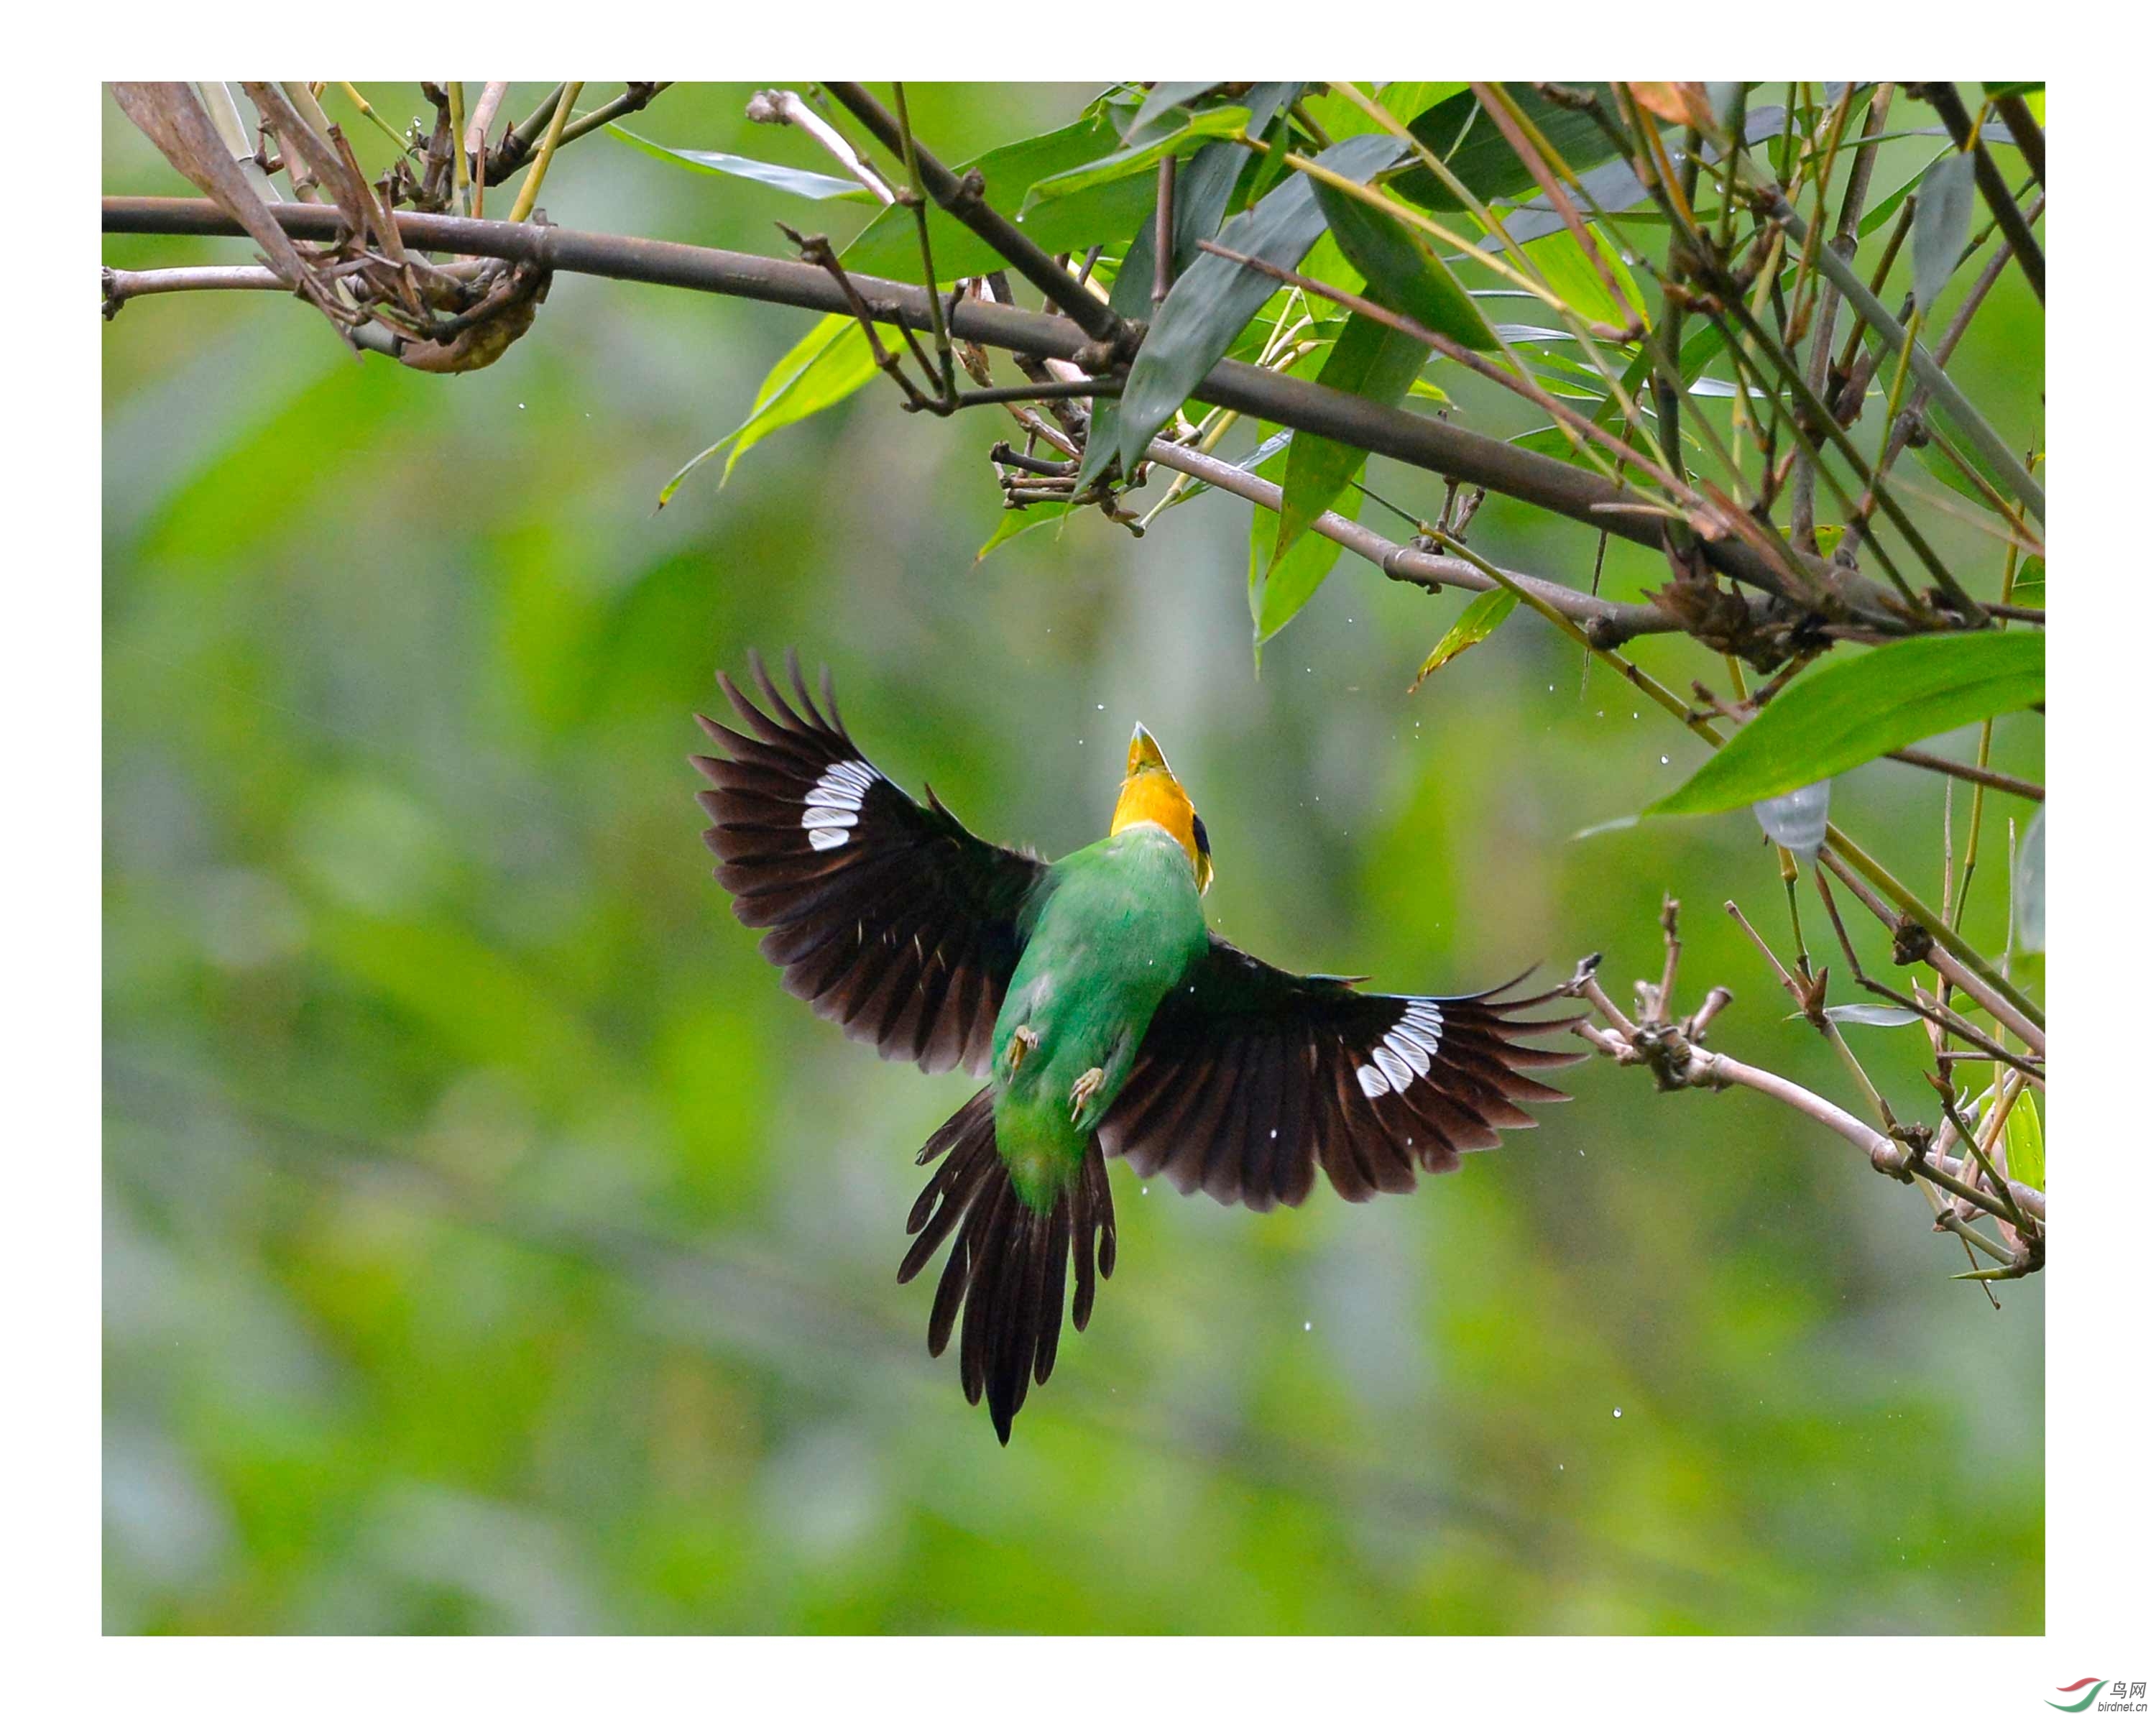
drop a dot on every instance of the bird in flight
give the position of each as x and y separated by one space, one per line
1107 1019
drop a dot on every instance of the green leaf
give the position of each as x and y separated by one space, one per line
1939 230
1278 591
796 180
1202 186
1475 624
1213 299
1406 102
1464 138
825 366
1159 100
1852 711
1368 360
1134 159
890 246
1015 521
2029 583
1575 280
1404 274
2024 1141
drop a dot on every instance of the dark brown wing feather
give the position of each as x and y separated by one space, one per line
888 917
1250 1079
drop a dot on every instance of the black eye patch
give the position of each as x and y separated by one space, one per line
1198 832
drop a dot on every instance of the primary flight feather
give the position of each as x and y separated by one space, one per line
1106 1017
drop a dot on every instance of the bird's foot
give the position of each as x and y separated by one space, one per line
1024 1040
1082 1092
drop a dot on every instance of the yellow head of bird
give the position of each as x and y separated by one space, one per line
1152 792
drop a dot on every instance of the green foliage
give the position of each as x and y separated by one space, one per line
2024 1141
1368 360
1481 619
1404 273
824 367
1282 582
1853 710
1206 310
1946 199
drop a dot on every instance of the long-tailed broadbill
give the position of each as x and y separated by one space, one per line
1107 1019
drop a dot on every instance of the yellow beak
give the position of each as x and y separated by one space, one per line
1145 754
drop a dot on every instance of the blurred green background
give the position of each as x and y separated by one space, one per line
491 1244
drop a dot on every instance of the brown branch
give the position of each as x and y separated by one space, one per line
1435 445
2028 136
1975 775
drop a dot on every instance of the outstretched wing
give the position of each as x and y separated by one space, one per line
1250 1079
886 916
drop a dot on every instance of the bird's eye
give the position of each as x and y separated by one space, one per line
1197 833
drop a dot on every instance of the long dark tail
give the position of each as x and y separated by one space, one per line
1009 1263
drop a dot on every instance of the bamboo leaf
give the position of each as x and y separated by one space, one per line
1480 620
1463 137
1015 521
1159 100
824 367
796 180
1404 274
1939 230
1368 360
2024 1141
1214 298
1135 159
1852 711
1279 590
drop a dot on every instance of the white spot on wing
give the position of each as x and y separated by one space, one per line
1392 1067
1374 1083
834 805
1416 1053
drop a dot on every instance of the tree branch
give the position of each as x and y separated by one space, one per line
1431 443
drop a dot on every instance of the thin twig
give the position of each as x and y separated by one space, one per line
527 194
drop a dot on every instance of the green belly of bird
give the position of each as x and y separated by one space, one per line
1117 926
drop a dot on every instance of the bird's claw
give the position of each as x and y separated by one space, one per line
1082 1092
1024 1040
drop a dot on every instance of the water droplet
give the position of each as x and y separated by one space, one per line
1142 1190
1274 1133
1616 1413
1100 706
1666 760
1305 1326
